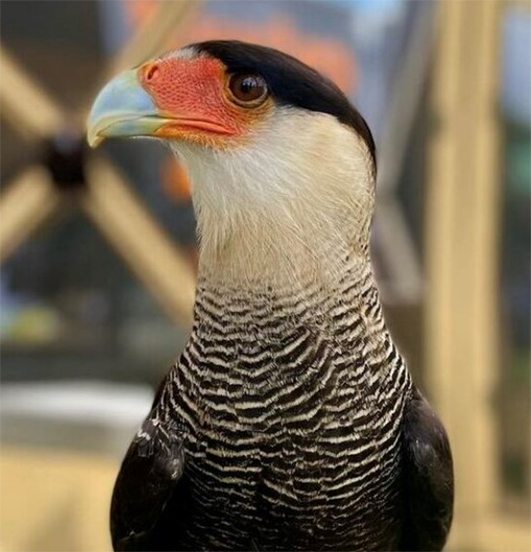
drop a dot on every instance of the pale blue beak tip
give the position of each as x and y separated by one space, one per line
122 108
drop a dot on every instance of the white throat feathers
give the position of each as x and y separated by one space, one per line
293 201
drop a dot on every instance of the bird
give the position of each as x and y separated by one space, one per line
290 420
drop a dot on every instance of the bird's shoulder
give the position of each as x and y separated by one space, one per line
428 477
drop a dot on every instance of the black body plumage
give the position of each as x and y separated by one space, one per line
290 421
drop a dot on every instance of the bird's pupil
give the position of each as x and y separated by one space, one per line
248 84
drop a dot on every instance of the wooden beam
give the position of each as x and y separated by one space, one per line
136 236
25 204
153 36
462 253
25 104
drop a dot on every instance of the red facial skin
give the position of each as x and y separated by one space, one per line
193 93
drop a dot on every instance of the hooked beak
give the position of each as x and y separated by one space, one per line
123 108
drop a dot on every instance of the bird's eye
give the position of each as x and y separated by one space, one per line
248 90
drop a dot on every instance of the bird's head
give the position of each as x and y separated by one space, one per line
282 166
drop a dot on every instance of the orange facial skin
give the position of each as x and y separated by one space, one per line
193 93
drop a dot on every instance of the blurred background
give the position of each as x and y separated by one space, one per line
98 249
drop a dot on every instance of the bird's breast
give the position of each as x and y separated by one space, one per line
293 453
289 424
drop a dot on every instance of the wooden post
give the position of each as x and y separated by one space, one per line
462 252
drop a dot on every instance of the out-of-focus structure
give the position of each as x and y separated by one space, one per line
105 198
443 86
465 330
68 178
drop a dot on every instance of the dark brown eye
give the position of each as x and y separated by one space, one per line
248 90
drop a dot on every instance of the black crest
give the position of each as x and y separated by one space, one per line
290 82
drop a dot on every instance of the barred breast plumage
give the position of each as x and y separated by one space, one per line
290 404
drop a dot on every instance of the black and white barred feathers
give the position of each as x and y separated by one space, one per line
290 421
293 403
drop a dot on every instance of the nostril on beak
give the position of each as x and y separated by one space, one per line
152 72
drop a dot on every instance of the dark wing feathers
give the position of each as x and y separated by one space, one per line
150 475
428 478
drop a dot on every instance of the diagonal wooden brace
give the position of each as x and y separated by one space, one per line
25 104
110 203
152 37
26 204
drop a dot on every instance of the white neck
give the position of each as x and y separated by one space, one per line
293 201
